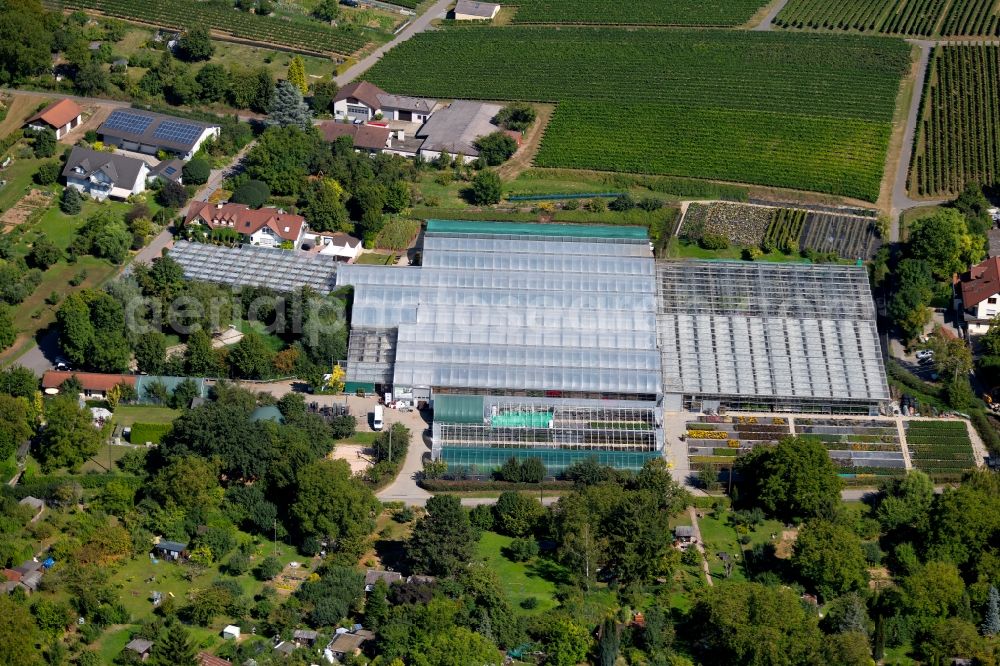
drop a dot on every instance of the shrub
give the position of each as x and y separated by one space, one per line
522 550
196 172
404 515
43 253
486 188
496 148
714 242
253 193
481 517
238 564
268 568
516 116
622 203
529 603
71 202
47 173
597 205
172 195
149 432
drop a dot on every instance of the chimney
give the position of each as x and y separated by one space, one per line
401 135
218 205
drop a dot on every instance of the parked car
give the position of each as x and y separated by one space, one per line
61 365
925 354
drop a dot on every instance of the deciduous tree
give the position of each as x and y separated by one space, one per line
442 541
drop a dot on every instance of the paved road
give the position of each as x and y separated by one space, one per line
42 356
768 23
419 24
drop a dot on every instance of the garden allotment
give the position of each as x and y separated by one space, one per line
564 342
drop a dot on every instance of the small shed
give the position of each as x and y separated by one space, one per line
141 647
684 533
231 632
170 550
305 637
31 580
33 502
372 576
347 644
285 648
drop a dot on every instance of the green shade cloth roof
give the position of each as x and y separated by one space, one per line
143 382
531 229
268 413
522 420
352 387
458 408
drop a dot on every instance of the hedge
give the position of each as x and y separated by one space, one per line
986 430
444 485
45 486
149 432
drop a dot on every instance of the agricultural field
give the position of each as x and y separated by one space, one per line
303 33
644 12
940 448
785 230
895 17
863 449
802 111
717 441
957 138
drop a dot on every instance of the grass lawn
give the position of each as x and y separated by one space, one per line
545 181
18 176
377 258
720 538
126 415
112 643
442 196
62 228
362 438
520 579
56 279
105 459
273 342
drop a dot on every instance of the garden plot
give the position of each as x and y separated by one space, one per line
940 448
739 224
849 236
861 448
718 440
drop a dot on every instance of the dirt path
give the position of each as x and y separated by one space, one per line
532 139
700 546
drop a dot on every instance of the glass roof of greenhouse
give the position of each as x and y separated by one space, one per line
799 331
281 270
530 309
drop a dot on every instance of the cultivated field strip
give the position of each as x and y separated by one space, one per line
958 137
303 34
799 110
922 18
640 12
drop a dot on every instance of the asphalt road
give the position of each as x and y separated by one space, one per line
419 24
767 24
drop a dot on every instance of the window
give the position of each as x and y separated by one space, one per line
992 300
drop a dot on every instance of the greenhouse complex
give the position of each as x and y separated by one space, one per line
564 342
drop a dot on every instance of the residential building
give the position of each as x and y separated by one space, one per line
470 10
366 137
406 109
365 101
977 294
36 504
171 169
95 384
455 128
147 132
267 227
60 117
339 245
101 175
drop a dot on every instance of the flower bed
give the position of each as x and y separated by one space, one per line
940 448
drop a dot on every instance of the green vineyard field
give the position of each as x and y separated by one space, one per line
958 136
894 17
796 110
642 12
301 33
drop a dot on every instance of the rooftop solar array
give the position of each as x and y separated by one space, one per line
514 309
181 132
761 330
281 270
153 128
127 121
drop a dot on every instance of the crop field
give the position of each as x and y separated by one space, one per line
803 111
958 140
940 448
784 229
849 236
896 17
298 33
642 12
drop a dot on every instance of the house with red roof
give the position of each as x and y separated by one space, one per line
267 227
978 292
61 117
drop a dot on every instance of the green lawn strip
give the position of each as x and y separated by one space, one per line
61 228
111 644
718 537
270 339
19 178
360 438
377 258
105 459
681 250
126 415
521 580
33 313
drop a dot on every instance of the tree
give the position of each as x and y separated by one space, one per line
91 79
944 242
43 143
496 148
68 438
200 359
268 568
749 623
48 173
195 44
327 10
914 291
904 502
323 92
517 116
991 623
322 203
151 352
18 631
377 605
213 81
250 358
609 643
369 200
25 41
44 253
297 74
251 88
935 590
564 642
288 108
173 648
172 195
516 514
848 648
253 193
71 202
793 481
442 541
187 482
334 595
397 196
829 557
196 171
947 638
8 333
459 646
486 188
330 502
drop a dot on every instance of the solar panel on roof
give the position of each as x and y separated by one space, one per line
170 170
172 130
124 121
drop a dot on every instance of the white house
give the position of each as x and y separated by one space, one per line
267 227
977 294
102 175
406 109
470 10
60 117
339 245
365 101
454 130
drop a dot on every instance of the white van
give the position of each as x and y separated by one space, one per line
377 418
